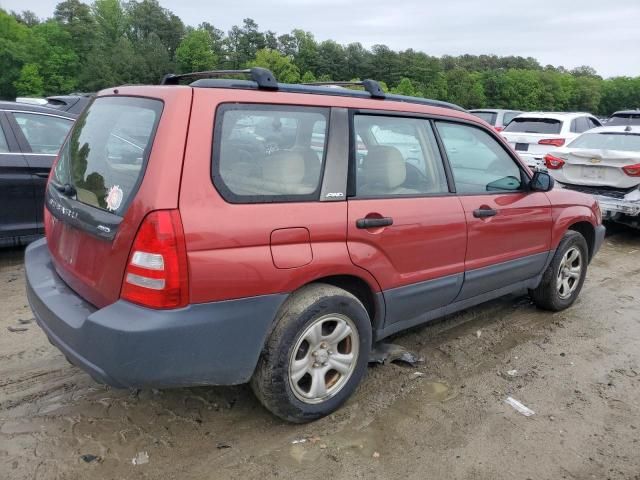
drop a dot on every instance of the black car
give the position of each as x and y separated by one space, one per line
30 137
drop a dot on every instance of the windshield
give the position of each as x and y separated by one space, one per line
534 125
624 119
626 142
105 155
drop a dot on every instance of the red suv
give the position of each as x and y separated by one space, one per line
229 231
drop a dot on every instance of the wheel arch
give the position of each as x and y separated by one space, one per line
588 231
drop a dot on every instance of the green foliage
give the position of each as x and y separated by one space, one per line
111 42
281 66
30 82
195 52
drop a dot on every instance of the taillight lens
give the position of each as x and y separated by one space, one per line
156 275
556 142
498 129
632 170
552 162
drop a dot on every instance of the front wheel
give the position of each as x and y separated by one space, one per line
316 355
563 279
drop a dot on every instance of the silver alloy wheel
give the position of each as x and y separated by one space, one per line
323 358
569 272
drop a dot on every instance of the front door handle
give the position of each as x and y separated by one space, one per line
485 212
374 222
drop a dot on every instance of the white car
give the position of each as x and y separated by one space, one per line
535 134
496 117
605 162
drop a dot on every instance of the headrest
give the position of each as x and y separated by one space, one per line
384 167
284 166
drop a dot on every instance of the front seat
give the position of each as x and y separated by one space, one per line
384 171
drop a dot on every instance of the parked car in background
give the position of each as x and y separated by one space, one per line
532 135
499 118
73 103
624 117
30 137
604 162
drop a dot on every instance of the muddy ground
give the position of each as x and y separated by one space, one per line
579 370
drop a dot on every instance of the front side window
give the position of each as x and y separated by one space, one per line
105 155
44 133
508 116
396 156
269 153
479 163
4 148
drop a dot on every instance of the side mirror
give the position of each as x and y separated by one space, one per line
541 182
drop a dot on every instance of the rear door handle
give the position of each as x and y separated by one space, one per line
484 212
374 222
42 174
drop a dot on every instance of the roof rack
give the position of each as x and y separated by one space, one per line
263 77
371 86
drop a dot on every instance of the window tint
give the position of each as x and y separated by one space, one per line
534 125
489 117
580 125
269 153
44 133
508 116
478 161
106 152
627 142
396 156
4 148
593 123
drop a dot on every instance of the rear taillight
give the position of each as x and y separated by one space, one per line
156 275
498 129
553 163
556 142
632 170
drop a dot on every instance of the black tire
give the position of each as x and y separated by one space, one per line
270 381
546 295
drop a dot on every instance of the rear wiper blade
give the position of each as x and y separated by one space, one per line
67 189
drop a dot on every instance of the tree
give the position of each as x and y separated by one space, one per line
147 17
27 17
406 87
281 66
30 82
195 52
13 53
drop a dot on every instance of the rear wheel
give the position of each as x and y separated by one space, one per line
562 281
316 355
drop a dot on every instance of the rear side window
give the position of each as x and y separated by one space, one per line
478 161
44 133
269 153
534 125
489 117
107 151
508 116
4 148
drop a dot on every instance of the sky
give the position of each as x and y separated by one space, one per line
599 33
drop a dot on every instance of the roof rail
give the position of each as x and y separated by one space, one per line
371 86
263 77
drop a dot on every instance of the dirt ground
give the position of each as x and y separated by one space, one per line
579 370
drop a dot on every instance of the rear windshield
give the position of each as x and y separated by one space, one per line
626 142
105 155
534 125
624 119
489 117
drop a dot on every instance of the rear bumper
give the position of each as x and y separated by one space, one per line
126 345
533 160
611 206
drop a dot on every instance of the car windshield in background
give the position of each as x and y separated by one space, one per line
625 142
105 154
489 117
624 119
534 125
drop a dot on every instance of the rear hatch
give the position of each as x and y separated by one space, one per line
122 160
606 159
533 135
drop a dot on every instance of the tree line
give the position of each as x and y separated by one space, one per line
87 47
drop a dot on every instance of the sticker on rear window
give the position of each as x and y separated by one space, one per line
114 198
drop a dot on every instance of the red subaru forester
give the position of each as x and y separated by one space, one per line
228 231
